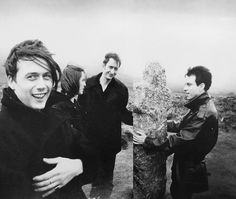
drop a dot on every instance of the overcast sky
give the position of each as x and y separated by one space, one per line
176 33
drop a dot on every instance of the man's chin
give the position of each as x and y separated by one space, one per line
38 105
188 97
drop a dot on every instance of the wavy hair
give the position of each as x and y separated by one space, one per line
32 50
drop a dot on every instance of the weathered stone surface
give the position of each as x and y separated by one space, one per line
151 99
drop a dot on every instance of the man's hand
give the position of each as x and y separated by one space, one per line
66 169
139 137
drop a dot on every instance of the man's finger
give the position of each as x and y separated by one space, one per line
48 193
136 143
52 160
45 176
48 187
44 182
140 132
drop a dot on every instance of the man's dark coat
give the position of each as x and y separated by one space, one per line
105 111
26 137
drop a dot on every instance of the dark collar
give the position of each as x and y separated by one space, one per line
11 101
197 101
94 81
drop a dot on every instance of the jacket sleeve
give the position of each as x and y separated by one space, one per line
184 141
126 115
188 132
181 141
12 181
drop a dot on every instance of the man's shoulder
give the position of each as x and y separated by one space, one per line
92 81
120 84
211 108
207 109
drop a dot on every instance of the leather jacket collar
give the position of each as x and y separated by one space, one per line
197 101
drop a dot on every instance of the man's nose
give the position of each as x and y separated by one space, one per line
113 71
185 88
41 84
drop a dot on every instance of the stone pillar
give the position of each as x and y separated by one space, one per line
151 100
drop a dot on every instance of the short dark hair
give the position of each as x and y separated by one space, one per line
203 75
113 56
32 50
70 80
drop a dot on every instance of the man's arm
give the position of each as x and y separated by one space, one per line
183 142
188 132
126 115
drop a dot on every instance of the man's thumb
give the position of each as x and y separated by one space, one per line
51 160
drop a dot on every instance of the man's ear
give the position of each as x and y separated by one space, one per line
202 86
11 82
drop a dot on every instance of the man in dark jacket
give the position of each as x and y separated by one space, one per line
39 153
105 101
196 135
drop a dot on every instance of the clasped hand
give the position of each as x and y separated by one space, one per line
139 136
66 169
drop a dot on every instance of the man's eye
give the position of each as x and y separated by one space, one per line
31 77
48 76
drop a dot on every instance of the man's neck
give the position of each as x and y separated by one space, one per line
104 82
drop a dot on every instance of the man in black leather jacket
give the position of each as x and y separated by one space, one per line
196 135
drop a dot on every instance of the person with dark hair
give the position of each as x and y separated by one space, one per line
73 81
105 101
39 153
196 135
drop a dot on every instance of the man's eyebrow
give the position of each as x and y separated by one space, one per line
32 73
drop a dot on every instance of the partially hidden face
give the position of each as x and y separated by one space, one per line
32 84
82 83
191 89
110 69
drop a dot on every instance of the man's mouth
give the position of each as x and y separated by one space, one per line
39 95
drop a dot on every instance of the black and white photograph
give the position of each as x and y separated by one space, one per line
125 99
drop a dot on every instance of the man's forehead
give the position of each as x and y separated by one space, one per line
112 62
30 65
190 79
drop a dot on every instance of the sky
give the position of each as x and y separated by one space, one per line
177 34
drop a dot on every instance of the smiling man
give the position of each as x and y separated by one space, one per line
32 84
105 101
196 135
36 159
